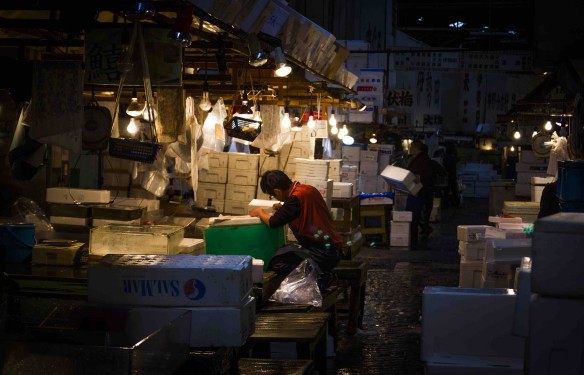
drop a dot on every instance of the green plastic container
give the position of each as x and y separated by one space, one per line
256 240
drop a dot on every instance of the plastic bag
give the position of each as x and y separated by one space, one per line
300 287
26 210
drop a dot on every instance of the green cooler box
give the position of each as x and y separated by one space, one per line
238 237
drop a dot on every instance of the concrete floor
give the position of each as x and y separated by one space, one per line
389 344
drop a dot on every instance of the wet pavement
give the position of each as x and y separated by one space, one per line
389 342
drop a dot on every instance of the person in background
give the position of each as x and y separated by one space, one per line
422 166
306 213
549 203
450 162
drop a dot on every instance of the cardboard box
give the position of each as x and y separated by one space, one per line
215 175
170 280
240 160
76 196
242 176
472 250
470 233
240 192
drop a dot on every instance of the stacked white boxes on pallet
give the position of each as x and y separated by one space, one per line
471 247
468 331
556 324
399 234
242 180
215 288
527 167
368 171
315 172
212 181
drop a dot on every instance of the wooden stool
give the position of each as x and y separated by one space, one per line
255 366
306 329
354 275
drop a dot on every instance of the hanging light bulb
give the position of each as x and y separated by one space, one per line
348 140
373 139
134 108
283 69
205 103
516 134
333 119
548 125
343 132
285 123
512 149
133 125
334 130
149 111
535 132
311 124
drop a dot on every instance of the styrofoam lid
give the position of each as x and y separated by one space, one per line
562 222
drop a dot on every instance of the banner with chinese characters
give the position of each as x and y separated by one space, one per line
370 91
103 48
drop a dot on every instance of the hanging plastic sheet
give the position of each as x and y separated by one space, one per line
26 156
56 116
170 121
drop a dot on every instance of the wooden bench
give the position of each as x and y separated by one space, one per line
306 329
255 366
353 275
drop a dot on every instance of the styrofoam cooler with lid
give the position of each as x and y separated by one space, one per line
558 255
401 179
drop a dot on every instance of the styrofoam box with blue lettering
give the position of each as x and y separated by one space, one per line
170 280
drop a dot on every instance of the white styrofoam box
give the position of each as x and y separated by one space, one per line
242 176
473 250
150 204
351 153
229 221
447 365
399 241
307 168
368 155
257 274
296 150
493 280
240 192
401 179
468 322
240 160
542 180
556 335
493 232
369 168
64 255
215 175
399 228
470 233
522 189
234 207
505 219
525 167
98 222
514 226
382 184
259 193
527 156
557 255
325 187
210 190
375 200
192 246
507 250
271 162
170 280
350 166
525 177
470 273
266 204
342 189
75 196
218 159
68 220
218 326
381 148
334 167
401 215
349 176
368 184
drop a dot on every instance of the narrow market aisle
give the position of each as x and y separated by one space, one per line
389 344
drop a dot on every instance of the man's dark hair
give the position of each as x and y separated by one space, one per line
274 179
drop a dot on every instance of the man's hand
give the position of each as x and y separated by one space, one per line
276 206
256 212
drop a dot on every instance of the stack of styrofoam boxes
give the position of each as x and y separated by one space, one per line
468 331
216 289
556 312
471 247
334 171
211 187
384 155
399 232
477 178
269 161
315 172
499 263
527 211
537 185
242 180
368 171
66 208
350 167
302 146
527 167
